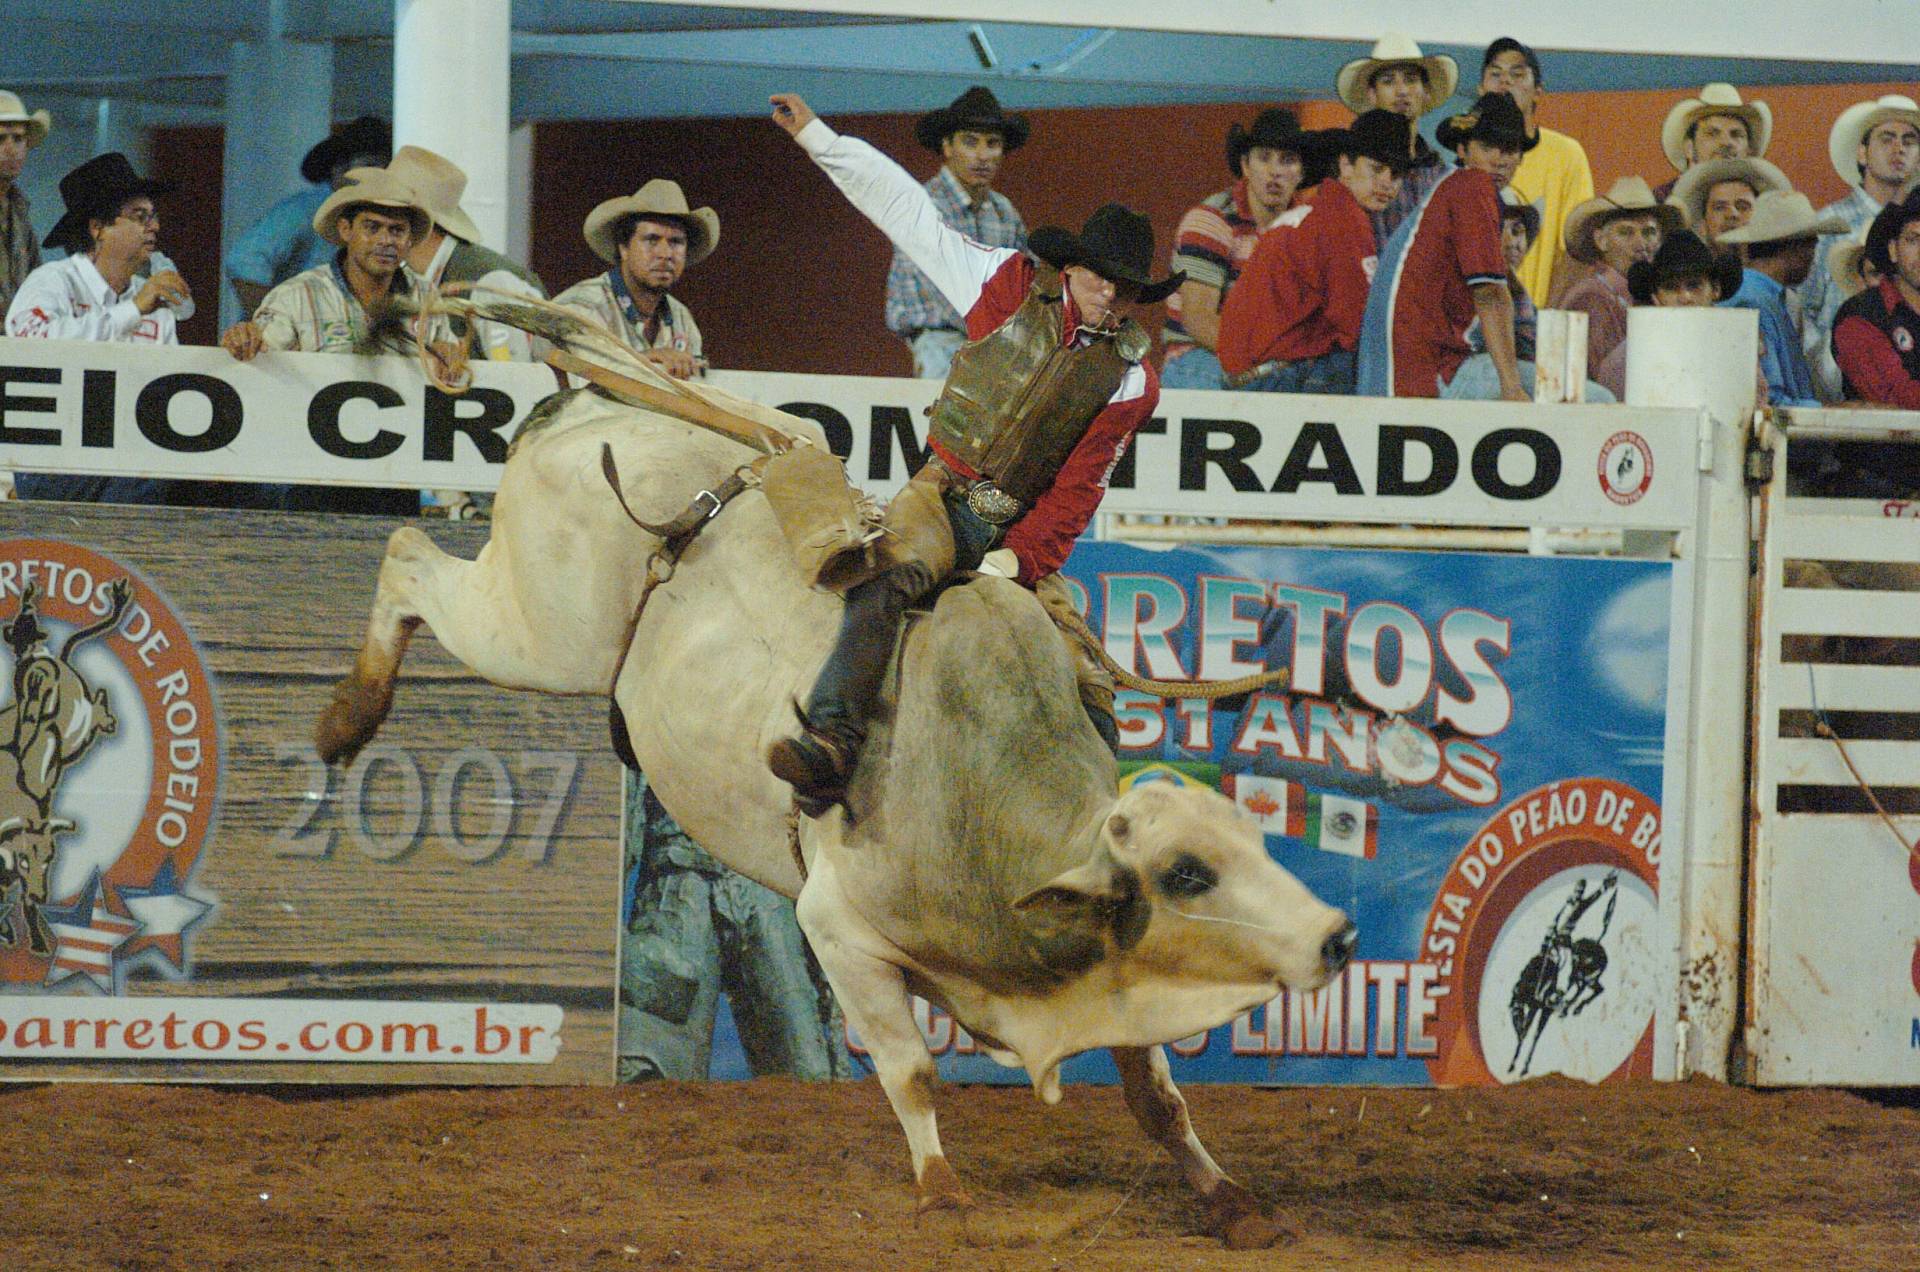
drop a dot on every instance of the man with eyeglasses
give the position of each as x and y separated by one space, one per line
113 286
109 232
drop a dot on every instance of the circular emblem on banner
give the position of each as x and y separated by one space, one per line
1545 933
1626 467
109 770
1903 340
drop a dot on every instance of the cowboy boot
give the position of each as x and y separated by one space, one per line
819 761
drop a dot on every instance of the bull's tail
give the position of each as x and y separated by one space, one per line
121 593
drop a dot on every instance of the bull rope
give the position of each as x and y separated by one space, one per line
1827 731
1074 626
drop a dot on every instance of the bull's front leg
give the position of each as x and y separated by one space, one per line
873 995
1156 1103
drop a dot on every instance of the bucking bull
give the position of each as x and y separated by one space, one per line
982 859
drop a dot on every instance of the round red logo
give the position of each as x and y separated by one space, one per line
1545 933
109 770
1626 467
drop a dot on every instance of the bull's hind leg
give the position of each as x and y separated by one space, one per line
362 700
1156 1103
873 994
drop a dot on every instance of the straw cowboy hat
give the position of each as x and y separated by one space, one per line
658 198
977 109
367 135
1396 49
97 188
1844 263
439 185
1630 196
1715 99
1856 121
1690 191
14 111
1784 214
374 186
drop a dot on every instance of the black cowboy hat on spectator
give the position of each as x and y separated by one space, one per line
97 188
1116 243
1380 135
368 135
1494 120
1682 256
1886 227
977 109
1275 127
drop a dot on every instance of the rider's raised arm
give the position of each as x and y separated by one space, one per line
889 197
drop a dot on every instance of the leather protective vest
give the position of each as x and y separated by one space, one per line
1018 401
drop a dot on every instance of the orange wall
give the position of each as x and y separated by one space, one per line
1621 131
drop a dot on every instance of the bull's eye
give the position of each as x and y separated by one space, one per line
1187 877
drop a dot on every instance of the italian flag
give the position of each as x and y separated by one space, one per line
1331 823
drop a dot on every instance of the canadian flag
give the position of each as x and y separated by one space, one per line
1268 800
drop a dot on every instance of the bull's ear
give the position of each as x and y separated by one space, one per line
1094 884
1075 913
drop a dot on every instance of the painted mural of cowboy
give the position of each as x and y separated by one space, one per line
1037 410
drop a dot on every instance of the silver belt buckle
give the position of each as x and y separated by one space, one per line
991 504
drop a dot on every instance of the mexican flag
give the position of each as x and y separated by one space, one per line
1331 823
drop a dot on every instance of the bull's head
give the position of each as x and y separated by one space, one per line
27 853
1179 891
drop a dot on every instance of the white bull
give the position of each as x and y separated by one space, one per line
988 864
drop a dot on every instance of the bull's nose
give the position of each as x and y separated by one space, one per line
1337 950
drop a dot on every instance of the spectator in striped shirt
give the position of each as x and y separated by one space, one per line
1217 236
972 135
1397 76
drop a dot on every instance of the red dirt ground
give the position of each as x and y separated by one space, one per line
777 1174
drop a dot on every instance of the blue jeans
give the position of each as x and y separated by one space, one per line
1197 368
933 351
1328 373
1478 380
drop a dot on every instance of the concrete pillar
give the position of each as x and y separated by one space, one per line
1704 360
279 103
117 126
451 69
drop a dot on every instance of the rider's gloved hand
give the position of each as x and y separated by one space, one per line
1001 562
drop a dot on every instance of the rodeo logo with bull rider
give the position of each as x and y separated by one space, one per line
109 772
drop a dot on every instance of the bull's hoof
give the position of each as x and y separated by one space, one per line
940 1188
1242 1224
350 720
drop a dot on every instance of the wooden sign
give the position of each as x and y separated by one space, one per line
187 893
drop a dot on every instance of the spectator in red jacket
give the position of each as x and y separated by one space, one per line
1292 323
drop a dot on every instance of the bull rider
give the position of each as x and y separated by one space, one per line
1035 413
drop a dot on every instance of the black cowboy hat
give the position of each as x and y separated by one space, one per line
977 108
1116 243
1275 127
1514 207
97 188
1683 255
367 135
1886 227
1380 135
1494 119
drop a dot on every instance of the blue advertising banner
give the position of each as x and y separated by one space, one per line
1468 759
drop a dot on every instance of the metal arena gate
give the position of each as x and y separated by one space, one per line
1834 951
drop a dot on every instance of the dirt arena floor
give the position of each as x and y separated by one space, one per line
776 1174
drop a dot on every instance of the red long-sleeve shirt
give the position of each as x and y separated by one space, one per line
1304 291
1876 342
987 284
